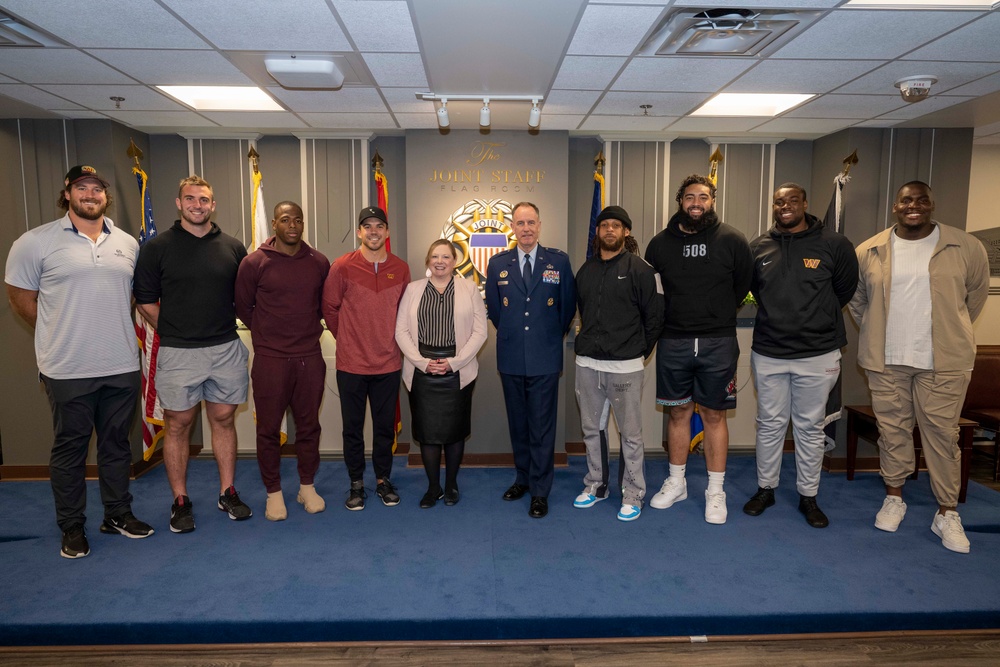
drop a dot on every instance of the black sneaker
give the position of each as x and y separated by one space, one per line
760 501
814 515
181 515
387 492
356 501
74 543
127 525
230 502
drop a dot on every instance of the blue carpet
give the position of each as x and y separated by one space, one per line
484 570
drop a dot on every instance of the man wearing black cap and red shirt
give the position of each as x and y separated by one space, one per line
360 299
71 281
621 315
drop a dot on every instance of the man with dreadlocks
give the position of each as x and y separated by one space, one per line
705 267
621 314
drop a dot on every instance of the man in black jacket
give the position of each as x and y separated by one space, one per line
705 268
804 274
621 314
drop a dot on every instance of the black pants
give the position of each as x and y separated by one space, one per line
381 392
79 408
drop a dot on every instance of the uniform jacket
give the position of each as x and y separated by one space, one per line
960 283
802 282
531 320
470 330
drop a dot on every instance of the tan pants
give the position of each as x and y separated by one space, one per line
902 394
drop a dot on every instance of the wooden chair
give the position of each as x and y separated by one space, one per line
982 401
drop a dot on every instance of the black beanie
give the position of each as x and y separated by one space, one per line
615 213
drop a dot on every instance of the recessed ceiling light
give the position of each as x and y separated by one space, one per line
922 4
222 98
750 104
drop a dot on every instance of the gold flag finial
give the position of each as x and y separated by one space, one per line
850 161
377 162
254 158
599 162
133 151
715 159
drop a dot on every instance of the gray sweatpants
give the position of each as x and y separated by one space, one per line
598 393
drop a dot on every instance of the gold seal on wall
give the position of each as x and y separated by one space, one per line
479 229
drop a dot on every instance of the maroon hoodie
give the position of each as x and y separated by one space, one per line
278 299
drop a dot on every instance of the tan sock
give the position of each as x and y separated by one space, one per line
275 509
310 499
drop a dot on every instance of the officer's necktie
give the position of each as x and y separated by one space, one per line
526 274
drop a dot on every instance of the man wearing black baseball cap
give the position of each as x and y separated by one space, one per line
360 299
71 281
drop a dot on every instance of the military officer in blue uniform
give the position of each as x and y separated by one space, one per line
531 300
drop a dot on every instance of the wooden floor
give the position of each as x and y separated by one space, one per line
973 648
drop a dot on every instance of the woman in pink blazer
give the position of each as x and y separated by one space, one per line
440 327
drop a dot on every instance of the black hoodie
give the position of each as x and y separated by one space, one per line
801 282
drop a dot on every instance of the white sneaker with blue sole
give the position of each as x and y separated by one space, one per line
629 512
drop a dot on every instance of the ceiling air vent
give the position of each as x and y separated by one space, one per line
726 32
15 33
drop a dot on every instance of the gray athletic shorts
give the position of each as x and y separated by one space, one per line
186 376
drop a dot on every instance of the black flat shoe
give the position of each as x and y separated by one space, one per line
451 497
515 492
539 507
760 501
814 515
431 497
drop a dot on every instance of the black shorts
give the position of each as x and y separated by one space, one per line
702 370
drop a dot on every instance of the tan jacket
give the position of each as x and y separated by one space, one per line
960 282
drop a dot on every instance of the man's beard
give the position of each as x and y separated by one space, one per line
707 219
78 209
615 246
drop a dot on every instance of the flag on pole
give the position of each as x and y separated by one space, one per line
149 339
596 206
382 197
834 220
697 430
259 223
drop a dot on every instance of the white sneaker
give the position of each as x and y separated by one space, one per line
949 529
629 512
715 507
891 515
587 499
674 489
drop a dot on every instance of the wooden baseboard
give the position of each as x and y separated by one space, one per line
38 473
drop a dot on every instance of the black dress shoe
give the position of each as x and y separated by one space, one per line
760 501
814 515
431 497
451 497
515 492
539 507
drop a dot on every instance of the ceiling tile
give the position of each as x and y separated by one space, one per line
418 121
846 106
853 33
800 76
664 104
344 100
7 79
609 30
405 101
991 140
984 86
560 121
985 130
626 123
36 96
254 119
350 120
57 66
976 41
709 125
137 98
132 24
264 25
767 4
931 104
588 72
817 126
678 74
182 68
393 69
377 25
570 101
949 75
154 119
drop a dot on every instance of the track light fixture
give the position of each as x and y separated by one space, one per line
535 115
484 113
442 113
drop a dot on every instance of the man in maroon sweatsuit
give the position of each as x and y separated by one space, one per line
278 291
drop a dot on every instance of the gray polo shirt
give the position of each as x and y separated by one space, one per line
84 326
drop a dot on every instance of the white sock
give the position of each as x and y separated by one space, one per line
678 471
715 480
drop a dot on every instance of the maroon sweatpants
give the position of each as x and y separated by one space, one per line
280 383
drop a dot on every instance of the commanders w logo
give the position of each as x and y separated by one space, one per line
811 263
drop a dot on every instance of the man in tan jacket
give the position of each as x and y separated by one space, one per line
921 286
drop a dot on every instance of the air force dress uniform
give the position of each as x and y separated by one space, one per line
531 321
